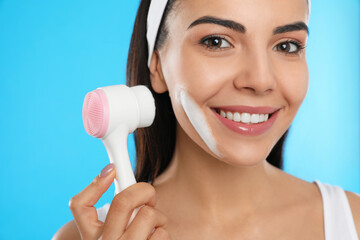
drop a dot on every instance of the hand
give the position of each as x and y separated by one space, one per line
148 224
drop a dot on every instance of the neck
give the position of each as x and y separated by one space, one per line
211 187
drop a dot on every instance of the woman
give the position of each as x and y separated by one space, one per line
228 78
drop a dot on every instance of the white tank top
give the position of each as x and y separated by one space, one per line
338 219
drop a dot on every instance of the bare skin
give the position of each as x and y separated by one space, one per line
279 207
238 195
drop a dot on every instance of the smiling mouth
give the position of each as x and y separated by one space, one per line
247 115
245 120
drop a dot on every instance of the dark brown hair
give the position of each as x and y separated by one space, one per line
155 144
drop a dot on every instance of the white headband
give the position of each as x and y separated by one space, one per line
156 11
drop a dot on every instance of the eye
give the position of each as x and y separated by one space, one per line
289 47
215 42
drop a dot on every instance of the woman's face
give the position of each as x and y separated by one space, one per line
233 54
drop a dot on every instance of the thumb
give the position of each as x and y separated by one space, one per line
82 204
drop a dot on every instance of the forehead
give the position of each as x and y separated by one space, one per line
253 14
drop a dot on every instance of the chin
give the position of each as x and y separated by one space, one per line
244 159
245 153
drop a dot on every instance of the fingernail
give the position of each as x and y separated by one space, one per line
107 170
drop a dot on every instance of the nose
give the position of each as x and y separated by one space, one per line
256 73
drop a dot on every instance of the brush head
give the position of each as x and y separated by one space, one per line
96 113
146 105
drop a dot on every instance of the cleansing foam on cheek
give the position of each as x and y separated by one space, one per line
198 120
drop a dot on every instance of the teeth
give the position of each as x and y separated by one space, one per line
222 113
237 117
229 115
245 117
262 117
255 118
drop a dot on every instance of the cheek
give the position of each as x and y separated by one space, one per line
191 83
202 76
293 82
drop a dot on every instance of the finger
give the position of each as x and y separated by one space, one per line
145 221
160 234
123 205
82 204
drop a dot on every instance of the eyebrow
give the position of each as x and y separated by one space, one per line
297 26
226 23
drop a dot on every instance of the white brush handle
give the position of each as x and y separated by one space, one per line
116 147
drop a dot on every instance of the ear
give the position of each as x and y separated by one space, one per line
156 75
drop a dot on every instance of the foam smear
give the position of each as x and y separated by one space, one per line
197 119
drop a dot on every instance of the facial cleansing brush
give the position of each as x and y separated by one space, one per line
111 114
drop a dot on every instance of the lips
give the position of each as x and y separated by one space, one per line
251 129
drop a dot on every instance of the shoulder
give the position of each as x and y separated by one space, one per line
68 231
354 201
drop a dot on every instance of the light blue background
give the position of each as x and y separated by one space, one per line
53 52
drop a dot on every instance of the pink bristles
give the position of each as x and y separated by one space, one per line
96 113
